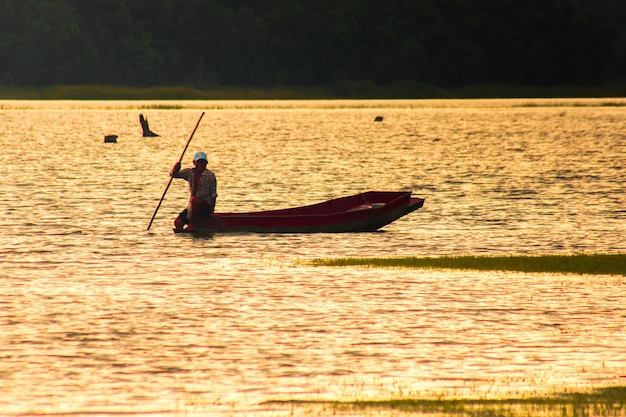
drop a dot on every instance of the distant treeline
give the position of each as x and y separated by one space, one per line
252 43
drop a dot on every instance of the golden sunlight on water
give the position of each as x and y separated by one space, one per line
100 316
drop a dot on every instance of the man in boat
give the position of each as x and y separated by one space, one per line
203 189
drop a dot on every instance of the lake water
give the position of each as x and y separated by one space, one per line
99 316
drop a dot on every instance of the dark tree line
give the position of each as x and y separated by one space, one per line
446 43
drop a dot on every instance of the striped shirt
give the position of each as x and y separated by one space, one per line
206 189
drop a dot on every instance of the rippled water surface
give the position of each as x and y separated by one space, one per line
100 316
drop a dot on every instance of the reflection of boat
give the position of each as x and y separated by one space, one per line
365 212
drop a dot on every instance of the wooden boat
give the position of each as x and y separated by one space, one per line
365 212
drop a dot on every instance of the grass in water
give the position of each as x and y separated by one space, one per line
611 264
610 401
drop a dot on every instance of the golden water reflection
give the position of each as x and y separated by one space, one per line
99 316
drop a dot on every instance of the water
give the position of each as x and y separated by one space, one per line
100 316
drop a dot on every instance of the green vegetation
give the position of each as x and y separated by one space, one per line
609 401
614 264
407 48
345 91
103 92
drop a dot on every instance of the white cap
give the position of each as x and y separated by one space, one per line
200 155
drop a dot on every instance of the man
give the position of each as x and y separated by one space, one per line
203 189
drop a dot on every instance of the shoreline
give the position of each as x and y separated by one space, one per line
351 90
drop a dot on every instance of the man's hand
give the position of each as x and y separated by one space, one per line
175 169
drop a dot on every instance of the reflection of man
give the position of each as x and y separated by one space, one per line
202 187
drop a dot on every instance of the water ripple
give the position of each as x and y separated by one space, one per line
98 314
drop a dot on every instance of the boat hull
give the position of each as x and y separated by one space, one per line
365 212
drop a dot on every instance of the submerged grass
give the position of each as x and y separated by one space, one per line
609 401
609 264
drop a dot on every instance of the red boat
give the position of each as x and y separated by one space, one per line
365 212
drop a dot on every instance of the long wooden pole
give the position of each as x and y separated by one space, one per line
170 181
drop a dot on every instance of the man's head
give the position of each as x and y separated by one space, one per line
200 155
200 160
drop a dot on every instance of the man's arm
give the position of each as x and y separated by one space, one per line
176 172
